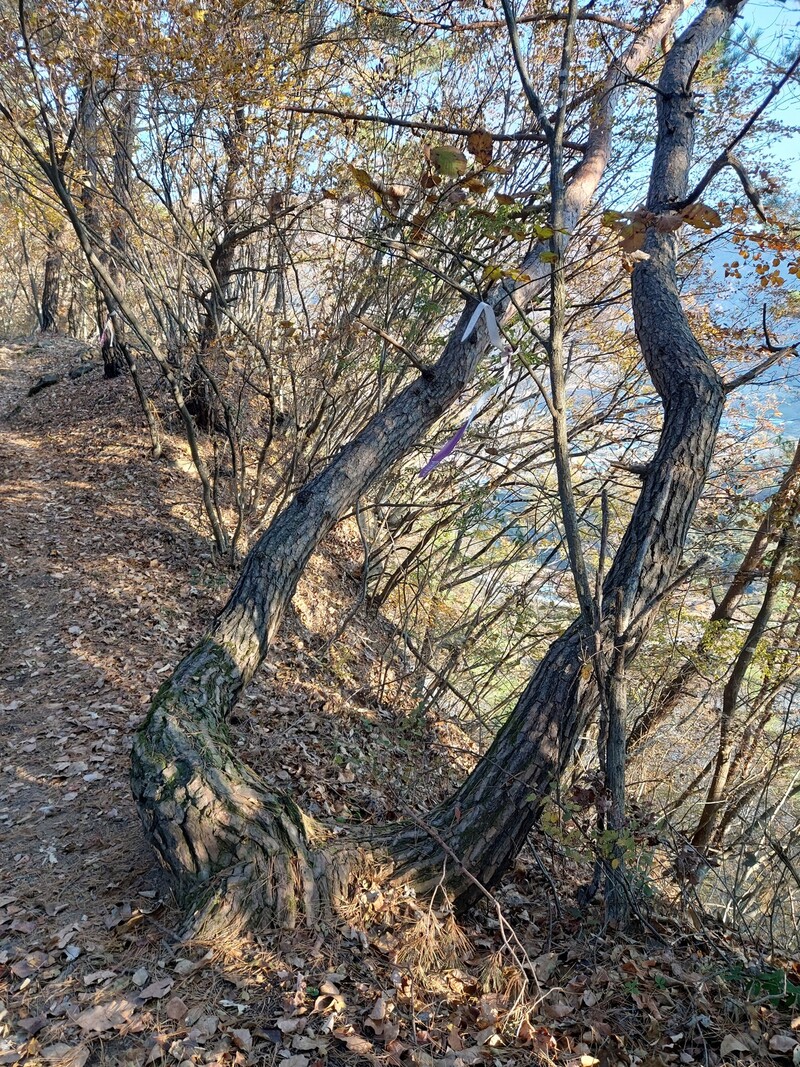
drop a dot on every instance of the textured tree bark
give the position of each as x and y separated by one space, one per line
51 287
217 828
486 822
195 796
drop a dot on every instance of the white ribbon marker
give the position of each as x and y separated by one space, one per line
492 328
108 333
498 341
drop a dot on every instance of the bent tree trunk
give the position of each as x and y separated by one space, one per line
240 853
206 811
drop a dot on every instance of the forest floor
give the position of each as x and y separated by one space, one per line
105 580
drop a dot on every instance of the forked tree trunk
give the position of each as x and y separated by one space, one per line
241 853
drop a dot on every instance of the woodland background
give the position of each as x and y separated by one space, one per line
232 236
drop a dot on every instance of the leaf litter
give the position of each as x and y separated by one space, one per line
106 579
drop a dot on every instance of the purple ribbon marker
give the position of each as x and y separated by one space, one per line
497 341
448 449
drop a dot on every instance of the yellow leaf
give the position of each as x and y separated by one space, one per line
610 218
364 179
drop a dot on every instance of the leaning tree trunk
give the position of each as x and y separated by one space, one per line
205 811
487 820
240 853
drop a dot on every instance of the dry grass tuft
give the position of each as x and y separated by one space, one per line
434 942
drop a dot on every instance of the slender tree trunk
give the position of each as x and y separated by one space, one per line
782 508
200 394
692 860
92 218
245 852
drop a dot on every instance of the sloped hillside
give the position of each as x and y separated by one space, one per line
106 579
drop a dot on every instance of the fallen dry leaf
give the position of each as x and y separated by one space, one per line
176 1009
243 1039
355 1042
111 1015
782 1043
157 989
735 1043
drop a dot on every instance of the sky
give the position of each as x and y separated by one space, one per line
778 25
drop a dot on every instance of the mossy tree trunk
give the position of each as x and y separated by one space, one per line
239 852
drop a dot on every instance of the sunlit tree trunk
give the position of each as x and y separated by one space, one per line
51 286
239 852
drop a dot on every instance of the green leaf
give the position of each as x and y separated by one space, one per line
610 218
447 160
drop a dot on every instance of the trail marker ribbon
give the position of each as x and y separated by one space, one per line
498 341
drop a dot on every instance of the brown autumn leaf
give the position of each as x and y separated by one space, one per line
701 216
633 236
475 185
481 145
176 1009
354 1042
288 1025
735 1043
558 1011
782 1043
111 1015
243 1039
65 1055
158 989
668 222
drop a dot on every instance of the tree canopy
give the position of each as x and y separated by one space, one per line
505 297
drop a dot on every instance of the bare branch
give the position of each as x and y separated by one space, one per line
726 158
